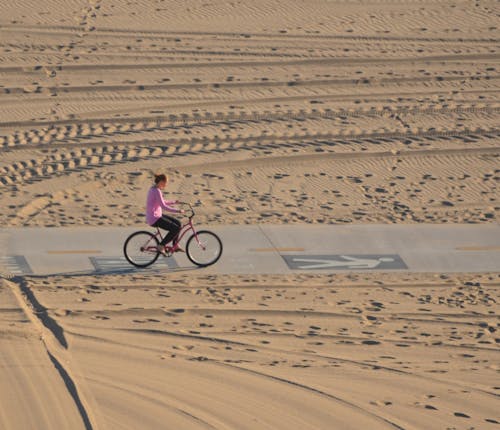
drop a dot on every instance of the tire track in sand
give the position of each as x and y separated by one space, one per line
52 336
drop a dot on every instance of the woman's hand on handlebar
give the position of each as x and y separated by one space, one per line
183 211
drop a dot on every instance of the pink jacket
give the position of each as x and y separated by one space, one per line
154 205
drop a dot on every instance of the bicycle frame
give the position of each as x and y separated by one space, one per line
189 226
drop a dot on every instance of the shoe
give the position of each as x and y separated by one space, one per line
179 249
161 250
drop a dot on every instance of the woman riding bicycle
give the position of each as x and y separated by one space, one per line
154 212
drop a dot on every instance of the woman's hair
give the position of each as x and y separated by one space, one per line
159 177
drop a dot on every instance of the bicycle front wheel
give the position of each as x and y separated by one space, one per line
140 249
204 248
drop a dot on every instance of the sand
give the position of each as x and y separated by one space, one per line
319 112
247 352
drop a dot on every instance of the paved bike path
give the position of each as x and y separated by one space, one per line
264 249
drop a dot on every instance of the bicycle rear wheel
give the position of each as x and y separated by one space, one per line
140 249
204 248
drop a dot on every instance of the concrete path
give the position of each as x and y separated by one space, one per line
264 249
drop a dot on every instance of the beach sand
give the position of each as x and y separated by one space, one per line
320 112
251 352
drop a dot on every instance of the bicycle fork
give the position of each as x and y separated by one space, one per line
196 236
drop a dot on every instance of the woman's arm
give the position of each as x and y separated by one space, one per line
167 204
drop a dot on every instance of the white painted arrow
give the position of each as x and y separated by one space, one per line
351 263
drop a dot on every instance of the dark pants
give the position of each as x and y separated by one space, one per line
171 225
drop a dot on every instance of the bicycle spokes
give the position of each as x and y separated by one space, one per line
204 248
140 249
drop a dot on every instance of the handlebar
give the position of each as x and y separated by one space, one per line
190 208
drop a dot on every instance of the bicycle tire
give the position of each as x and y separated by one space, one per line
137 256
204 257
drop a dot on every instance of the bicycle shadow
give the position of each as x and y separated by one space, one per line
111 272
148 270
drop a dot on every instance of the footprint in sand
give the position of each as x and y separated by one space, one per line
381 403
370 342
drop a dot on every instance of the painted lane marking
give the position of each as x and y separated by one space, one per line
344 262
15 265
75 251
478 248
349 262
277 249
120 264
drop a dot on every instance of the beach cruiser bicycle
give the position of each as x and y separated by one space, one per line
203 247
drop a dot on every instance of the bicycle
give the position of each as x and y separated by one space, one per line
203 248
